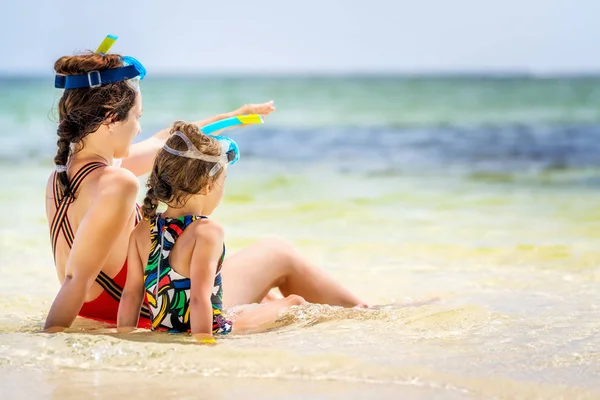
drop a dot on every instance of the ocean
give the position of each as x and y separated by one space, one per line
481 191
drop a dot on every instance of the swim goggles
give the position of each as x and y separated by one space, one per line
230 152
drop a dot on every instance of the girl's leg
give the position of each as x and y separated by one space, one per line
261 317
249 275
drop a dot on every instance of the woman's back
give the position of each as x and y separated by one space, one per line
72 211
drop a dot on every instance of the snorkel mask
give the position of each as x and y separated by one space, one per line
132 70
230 152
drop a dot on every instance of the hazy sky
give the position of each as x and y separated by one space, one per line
545 36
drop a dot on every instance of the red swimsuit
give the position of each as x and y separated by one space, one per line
106 306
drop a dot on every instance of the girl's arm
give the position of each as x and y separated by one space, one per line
133 293
142 154
207 251
100 228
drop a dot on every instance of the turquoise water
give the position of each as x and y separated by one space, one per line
481 191
475 124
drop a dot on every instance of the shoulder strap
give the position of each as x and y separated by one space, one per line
164 232
221 259
175 226
60 220
138 214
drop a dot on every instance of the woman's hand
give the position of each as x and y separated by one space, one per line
261 109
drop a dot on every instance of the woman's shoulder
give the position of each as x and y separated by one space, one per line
107 179
117 179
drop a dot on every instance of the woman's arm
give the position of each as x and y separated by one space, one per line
207 251
141 155
106 218
133 293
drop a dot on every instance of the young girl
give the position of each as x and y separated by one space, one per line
175 257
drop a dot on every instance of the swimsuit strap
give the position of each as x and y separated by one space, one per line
62 203
167 231
60 222
175 226
138 214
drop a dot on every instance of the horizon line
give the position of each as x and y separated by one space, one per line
224 73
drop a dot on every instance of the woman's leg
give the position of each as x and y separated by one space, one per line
249 275
261 317
271 296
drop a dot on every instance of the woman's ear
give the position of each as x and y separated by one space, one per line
109 121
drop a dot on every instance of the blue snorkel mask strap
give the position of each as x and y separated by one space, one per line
131 69
230 153
96 78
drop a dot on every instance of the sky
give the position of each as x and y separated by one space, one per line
310 36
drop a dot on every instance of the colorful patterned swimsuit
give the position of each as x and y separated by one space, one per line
168 292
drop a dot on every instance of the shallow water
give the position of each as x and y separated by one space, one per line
515 270
498 222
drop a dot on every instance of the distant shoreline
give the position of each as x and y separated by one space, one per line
441 75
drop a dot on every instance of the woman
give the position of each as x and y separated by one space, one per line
91 209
